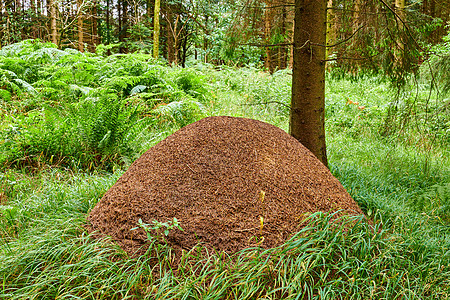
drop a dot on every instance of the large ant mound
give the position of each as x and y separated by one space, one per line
209 175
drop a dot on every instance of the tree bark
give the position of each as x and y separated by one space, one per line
53 28
331 31
33 19
124 29
2 32
291 50
108 26
170 37
399 50
80 26
156 29
307 115
267 36
95 37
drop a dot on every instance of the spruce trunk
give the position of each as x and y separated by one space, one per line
307 116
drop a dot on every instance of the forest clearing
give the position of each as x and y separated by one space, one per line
194 166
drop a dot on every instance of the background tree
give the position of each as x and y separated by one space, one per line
156 30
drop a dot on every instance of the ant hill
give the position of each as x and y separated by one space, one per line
232 183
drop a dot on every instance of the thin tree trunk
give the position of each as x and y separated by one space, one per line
1 19
94 37
291 56
120 22
331 31
156 29
170 38
124 31
205 38
282 51
267 31
53 28
307 117
400 10
34 33
80 26
108 26
176 51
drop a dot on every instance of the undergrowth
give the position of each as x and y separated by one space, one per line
70 123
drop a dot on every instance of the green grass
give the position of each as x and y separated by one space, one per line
400 180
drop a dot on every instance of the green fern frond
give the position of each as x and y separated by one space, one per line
25 85
45 56
137 89
5 95
181 112
85 90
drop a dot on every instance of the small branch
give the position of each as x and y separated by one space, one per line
267 45
343 41
267 7
402 21
350 58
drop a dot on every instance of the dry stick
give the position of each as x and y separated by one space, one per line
248 229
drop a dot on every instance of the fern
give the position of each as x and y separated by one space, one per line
192 83
9 80
45 56
24 47
102 123
90 106
181 112
121 83
26 86
137 89
85 90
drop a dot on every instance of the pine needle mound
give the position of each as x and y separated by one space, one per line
209 175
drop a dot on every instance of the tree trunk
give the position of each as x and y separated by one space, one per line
108 26
291 50
267 31
400 10
156 30
124 30
331 31
307 115
34 33
205 37
282 51
80 26
170 39
95 37
1 19
53 28
120 22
